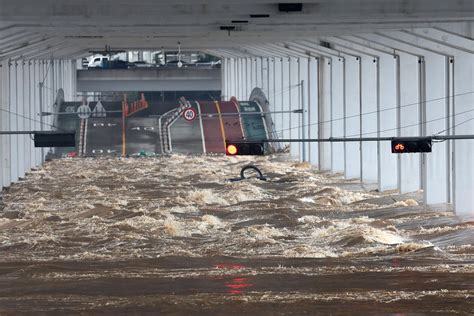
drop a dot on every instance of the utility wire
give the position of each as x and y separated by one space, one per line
372 112
31 119
452 127
416 124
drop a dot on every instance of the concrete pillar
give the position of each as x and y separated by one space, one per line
411 71
259 72
22 118
286 83
278 96
337 113
325 111
240 86
5 140
13 108
248 77
369 84
264 74
232 78
37 79
311 98
303 97
387 122
294 104
352 105
253 73
27 145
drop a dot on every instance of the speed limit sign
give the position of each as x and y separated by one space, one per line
189 114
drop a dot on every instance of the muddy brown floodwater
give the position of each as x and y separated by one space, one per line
173 235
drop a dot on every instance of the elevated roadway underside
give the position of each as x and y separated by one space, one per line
153 79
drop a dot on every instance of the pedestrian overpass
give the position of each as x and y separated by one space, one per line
149 79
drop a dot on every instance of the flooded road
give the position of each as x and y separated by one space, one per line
173 235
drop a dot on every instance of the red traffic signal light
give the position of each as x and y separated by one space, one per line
401 145
231 150
245 148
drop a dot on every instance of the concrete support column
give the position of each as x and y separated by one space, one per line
369 85
271 87
285 84
259 73
410 86
325 111
303 97
37 80
225 79
27 112
248 77
242 88
294 104
278 96
5 140
13 108
312 101
264 74
337 113
352 79
387 122
253 74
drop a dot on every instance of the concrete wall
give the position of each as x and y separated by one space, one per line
396 83
21 101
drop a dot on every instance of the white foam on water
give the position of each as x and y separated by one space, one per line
174 228
155 207
305 251
205 197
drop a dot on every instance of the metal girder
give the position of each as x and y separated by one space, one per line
331 49
306 52
15 43
357 48
53 52
459 42
287 51
38 45
228 54
323 51
357 39
5 41
214 52
383 40
241 52
264 52
311 51
423 43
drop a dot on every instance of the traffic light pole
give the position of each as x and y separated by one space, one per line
366 139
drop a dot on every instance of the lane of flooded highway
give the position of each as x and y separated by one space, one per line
173 235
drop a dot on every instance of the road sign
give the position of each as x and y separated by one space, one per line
84 111
189 114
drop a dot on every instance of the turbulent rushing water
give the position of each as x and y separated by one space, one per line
173 235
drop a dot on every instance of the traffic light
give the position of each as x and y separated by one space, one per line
401 145
247 148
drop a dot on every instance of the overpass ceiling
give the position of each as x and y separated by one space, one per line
70 28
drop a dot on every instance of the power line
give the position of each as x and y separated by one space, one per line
452 127
373 112
31 119
412 125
